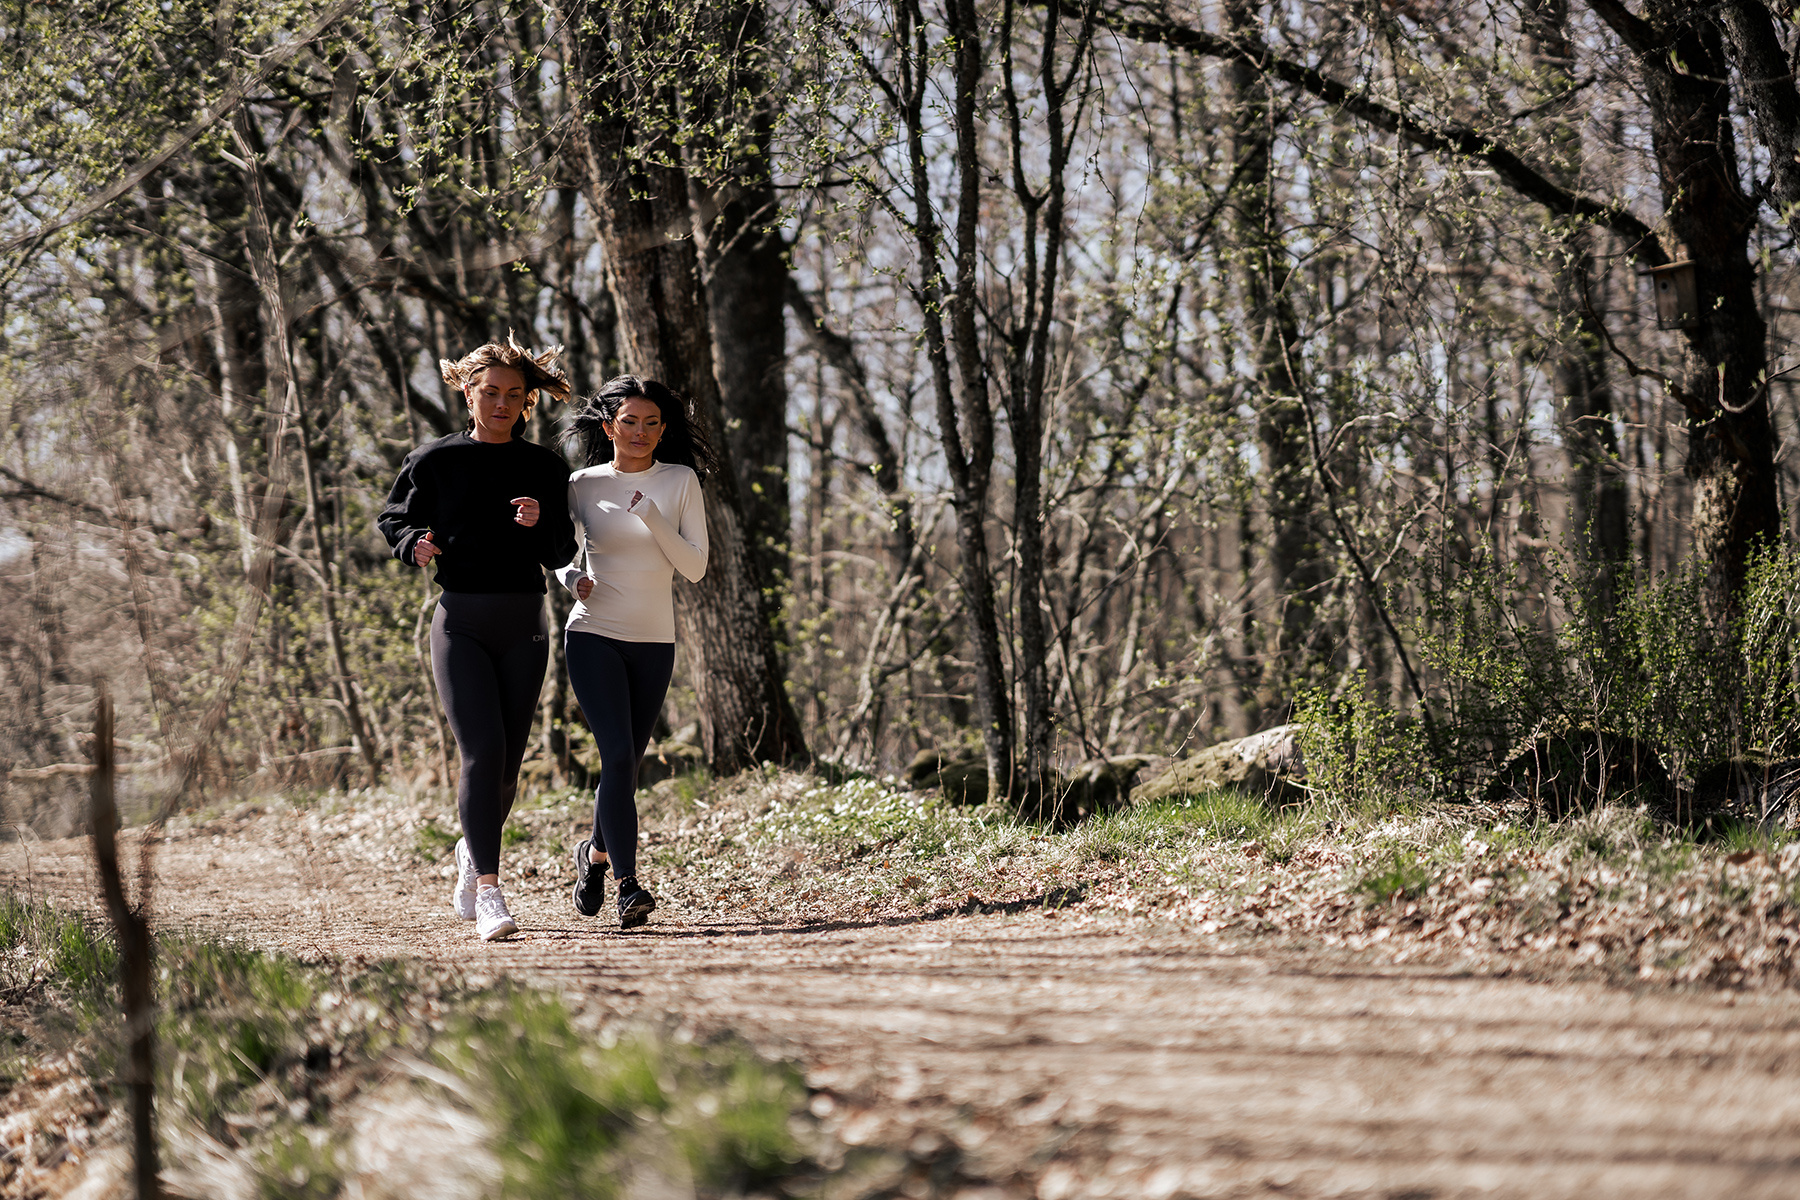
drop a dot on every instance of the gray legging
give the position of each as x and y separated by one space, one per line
488 653
621 686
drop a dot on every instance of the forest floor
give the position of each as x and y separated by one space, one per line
1205 1000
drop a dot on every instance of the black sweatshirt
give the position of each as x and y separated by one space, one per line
459 489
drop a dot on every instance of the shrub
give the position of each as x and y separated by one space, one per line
1361 754
1647 661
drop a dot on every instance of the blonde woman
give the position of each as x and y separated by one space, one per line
491 510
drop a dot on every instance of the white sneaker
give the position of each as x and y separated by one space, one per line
463 898
491 918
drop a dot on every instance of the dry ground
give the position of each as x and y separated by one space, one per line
1082 1052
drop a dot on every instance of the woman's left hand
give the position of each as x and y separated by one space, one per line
528 510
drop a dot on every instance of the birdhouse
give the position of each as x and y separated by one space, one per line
1677 292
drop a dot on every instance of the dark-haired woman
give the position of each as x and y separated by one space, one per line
639 518
491 510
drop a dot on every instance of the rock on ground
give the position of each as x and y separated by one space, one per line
1268 765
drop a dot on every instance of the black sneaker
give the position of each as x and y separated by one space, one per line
589 892
635 904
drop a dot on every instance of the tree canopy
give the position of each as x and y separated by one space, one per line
1096 377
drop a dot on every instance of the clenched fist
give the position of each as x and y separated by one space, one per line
424 550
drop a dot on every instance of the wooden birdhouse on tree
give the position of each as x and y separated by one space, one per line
1677 292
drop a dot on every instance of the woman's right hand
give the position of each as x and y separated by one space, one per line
583 586
424 550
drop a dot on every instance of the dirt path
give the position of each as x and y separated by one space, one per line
1083 1056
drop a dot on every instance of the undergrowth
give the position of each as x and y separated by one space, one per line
588 1117
1644 660
260 1060
1592 890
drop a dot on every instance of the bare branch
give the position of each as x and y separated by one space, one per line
1439 137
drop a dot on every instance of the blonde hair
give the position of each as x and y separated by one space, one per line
539 370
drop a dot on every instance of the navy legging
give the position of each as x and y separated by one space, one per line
620 686
488 653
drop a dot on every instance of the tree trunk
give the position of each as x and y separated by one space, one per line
1769 85
1028 350
962 397
1731 440
1294 564
1597 499
641 208
746 282
279 361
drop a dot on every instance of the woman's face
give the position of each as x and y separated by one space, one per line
496 399
635 432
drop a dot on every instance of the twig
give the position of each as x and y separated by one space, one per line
1370 587
133 930
29 489
84 769
1696 407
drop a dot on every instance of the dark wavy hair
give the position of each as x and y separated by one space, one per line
683 441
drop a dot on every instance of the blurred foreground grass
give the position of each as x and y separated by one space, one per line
263 1064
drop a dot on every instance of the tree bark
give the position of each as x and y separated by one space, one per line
1597 497
746 276
640 198
1731 440
1295 566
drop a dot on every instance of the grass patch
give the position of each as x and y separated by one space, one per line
433 841
261 1053
235 1031
300 1162
573 1116
514 835
61 954
691 785
1395 877
230 1019
1733 836
864 845
861 815
1178 824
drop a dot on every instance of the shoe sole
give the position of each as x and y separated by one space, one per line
506 930
581 851
636 915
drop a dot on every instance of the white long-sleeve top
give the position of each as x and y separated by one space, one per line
632 556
